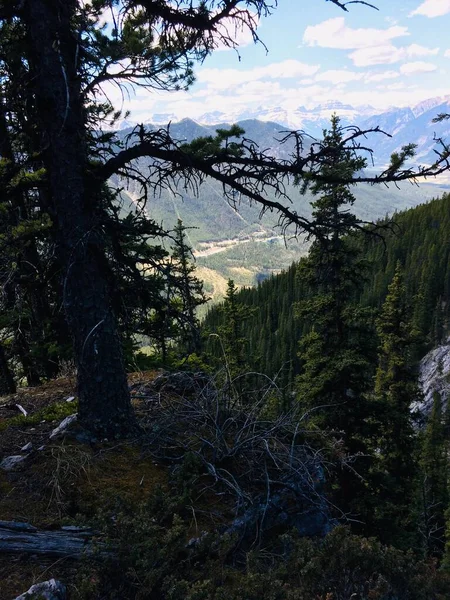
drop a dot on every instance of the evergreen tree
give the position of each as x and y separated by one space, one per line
335 362
434 475
233 342
396 390
7 383
190 290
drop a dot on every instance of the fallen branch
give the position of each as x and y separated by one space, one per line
23 538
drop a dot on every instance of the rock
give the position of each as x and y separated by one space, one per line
70 399
434 376
63 426
47 590
27 448
11 463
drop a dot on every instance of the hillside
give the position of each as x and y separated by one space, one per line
226 238
420 243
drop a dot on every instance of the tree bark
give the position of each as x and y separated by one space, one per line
23 538
7 383
104 400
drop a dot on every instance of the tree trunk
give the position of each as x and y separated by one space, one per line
23 352
104 400
70 542
7 383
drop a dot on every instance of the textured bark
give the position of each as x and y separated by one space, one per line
7 383
104 401
23 538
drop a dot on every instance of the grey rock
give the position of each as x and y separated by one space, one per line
434 376
63 426
11 463
27 447
47 590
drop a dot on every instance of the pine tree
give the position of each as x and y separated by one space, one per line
396 390
233 342
434 474
335 363
190 290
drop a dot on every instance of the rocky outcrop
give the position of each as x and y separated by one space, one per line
434 376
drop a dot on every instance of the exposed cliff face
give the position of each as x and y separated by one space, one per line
434 376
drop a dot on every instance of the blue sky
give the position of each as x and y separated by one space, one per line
396 56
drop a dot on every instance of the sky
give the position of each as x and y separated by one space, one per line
398 55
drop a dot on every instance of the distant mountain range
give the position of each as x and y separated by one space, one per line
242 245
405 125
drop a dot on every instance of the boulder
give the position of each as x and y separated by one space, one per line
11 463
47 590
63 426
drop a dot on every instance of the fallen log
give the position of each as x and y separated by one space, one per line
23 538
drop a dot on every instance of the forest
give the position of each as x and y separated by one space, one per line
276 450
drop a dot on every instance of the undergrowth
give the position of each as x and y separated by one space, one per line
53 412
155 558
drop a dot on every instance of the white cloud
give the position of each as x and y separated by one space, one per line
339 76
389 54
226 78
432 8
447 53
393 87
417 50
413 68
334 33
382 76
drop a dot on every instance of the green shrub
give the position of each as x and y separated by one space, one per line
53 412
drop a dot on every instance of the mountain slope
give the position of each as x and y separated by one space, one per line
421 244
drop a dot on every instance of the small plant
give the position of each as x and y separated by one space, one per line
53 412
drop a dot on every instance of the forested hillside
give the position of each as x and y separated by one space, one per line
418 238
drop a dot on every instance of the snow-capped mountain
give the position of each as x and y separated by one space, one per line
403 125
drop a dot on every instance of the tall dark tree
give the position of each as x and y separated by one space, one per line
336 364
190 291
396 388
434 471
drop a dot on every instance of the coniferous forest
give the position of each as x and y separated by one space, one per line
284 447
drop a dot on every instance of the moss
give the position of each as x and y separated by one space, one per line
53 412
117 473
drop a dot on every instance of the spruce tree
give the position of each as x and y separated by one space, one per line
396 390
233 342
434 475
190 291
335 361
